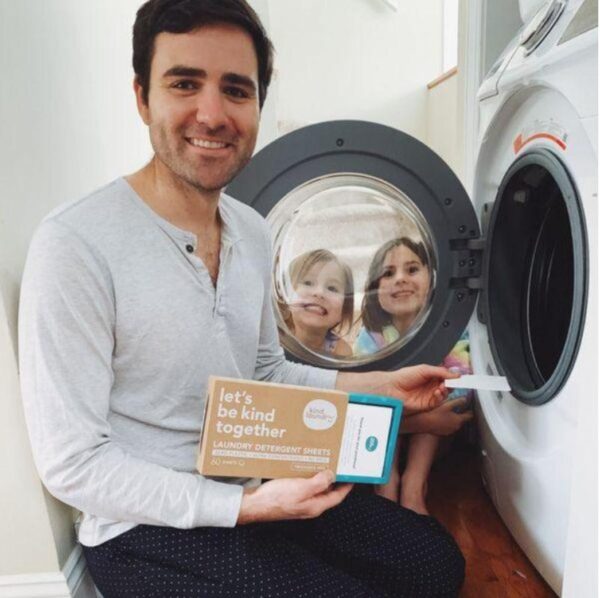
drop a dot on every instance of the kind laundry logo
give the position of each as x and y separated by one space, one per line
319 414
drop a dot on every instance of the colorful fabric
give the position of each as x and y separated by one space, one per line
368 342
458 360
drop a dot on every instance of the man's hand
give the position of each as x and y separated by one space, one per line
292 498
442 420
420 387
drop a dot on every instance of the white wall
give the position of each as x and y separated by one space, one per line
268 120
69 124
444 134
355 59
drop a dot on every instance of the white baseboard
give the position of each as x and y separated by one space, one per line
73 581
34 585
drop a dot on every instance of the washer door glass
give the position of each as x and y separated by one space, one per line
355 269
377 256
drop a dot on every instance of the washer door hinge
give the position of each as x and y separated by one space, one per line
467 257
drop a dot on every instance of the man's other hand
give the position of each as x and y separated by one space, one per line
420 387
292 498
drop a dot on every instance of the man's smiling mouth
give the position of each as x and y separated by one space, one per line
206 144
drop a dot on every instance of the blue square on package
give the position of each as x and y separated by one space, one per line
369 439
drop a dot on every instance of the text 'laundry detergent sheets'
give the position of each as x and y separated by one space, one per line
263 430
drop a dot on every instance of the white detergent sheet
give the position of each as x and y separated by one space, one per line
365 440
479 382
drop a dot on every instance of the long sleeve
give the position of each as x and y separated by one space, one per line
67 345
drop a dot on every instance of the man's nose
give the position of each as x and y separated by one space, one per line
211 110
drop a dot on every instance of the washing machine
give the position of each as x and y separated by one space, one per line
536 191
514 262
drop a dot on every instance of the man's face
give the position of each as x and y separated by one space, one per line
202 108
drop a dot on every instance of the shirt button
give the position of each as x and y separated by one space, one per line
189 248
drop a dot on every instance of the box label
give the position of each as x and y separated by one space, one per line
365 440
255 429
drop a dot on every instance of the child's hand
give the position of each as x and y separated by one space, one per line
442 421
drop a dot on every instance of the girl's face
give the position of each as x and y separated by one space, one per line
319 297
404 283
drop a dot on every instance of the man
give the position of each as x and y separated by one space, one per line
133 295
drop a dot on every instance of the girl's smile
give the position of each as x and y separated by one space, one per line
403 285
319 297
312 307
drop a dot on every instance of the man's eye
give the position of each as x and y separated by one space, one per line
184 85
236 92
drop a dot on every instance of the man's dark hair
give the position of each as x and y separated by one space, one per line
183 16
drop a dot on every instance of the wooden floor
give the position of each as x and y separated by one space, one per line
496 566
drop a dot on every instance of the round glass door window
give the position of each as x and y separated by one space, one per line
354 269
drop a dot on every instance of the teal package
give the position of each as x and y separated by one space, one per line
369 439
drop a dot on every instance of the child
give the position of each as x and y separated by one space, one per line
396 293
322 305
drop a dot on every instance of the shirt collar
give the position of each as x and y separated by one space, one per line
230 233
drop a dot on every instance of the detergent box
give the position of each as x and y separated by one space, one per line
264 430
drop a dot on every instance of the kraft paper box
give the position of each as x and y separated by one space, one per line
263 430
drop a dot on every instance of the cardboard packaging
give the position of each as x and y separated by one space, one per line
263 430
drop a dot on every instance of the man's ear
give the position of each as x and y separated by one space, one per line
142 107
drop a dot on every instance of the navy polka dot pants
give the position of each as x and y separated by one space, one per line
367 546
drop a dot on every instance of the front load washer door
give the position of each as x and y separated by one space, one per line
377 255
535 276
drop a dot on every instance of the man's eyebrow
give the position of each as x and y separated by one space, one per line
184 71
190 71
236 79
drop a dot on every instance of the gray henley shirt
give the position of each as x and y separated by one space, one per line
119 328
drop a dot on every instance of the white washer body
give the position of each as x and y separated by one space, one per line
547 99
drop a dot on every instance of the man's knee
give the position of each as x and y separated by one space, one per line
425 561
455 568
443 568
